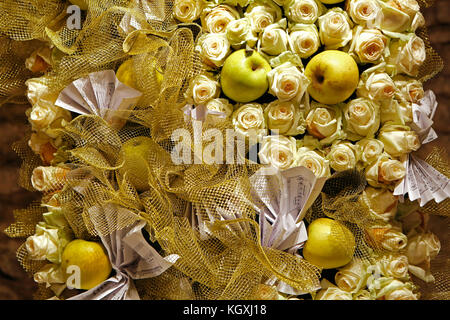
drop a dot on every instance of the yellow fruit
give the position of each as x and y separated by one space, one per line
81 3
334 76
331 1
91 259
329 245
136 152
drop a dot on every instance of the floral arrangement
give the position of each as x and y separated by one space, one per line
329 86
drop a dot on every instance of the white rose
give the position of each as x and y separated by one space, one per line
287 83
202 89
379 202
410 89
50 274
387 288
273 40
369 45
324 122
398 139
285 117
406 56
352 277
312 160
220 105
333 293
239 32
335 29
46 179
391 18
304 39
278 151
388 238
263 13
393 266
213 48
248 120
385 171
363 12
43 116
216 19
361 118
38 92
410 7
418 22
187 10
303 11
422 247
370 149
47 243
363 295
378 86
342 156
396 112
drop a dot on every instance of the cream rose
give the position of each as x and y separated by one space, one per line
187 10
47 179
303 11
342 156
287 83
418 22
263 13
202 89
285 117
333 293
422 248
395 266
278 151
396 112
391 18
352 277
369 149
369 45
324 122
216 19
220 105
363 12
273 40
304 39
213 48
378 86
385 171
388 237
398 139
47 116
361 118
50 274
410 89
248 120
379 202
47 243
312 160
407 55
239 32
335 28
387 288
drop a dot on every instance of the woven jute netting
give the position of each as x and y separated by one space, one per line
178 202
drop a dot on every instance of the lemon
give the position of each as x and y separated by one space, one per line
329 245
331 1
81 3
91 259
126 74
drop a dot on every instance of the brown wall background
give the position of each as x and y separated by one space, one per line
16 284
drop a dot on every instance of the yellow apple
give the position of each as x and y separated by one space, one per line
329 245
334 76
136 152
244 76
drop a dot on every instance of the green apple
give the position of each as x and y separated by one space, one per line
136 152
244 76
334 76
330 244
80 3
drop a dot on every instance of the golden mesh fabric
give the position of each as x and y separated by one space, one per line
229 261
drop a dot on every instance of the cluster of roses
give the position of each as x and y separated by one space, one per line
370 132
